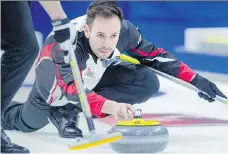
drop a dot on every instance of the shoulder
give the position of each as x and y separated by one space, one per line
128 30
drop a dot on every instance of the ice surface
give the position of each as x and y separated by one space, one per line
184 140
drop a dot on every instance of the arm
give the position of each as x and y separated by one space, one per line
54 9
66 81
63 31
99 105
152 56
157 58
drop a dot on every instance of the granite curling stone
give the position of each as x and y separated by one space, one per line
140 136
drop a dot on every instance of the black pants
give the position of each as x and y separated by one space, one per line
18 40
125 83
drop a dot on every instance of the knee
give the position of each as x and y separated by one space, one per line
153 83
30 49
150 85
27 129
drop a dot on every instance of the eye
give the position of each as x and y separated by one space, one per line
113 36
100 35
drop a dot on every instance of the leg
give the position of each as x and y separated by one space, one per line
64 117
35 112
128 83
21 48
29 116
20 45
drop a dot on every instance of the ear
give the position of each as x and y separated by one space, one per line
86 30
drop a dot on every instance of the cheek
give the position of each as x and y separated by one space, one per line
94 43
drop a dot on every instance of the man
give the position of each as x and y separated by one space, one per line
110 90
20 47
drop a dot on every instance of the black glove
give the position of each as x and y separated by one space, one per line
61 29
64 34
207 87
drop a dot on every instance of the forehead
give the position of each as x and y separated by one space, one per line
106 25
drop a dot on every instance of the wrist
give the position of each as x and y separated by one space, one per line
197 80
193 77
108 106
60 24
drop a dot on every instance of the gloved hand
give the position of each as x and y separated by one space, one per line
208 87
65 34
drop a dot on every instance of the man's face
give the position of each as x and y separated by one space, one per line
103 35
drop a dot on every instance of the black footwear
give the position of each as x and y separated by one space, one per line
66 121
8 147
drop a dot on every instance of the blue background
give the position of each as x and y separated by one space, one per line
162 23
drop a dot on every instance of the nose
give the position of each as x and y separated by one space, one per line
106 43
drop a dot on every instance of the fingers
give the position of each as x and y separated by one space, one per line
118 114
217 91
210 92
131 108
130 115
205 97
124 111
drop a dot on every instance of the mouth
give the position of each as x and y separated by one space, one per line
104 51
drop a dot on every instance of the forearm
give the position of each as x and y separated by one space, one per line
150 55
54 9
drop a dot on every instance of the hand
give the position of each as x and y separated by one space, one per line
120 111
123 111
207 87
65 35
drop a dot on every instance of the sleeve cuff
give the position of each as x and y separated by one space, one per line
96 102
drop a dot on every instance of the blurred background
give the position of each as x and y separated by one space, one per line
195 32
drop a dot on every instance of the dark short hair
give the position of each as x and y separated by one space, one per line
106 9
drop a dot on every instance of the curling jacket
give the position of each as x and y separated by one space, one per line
54 77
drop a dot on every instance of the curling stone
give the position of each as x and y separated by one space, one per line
140 136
